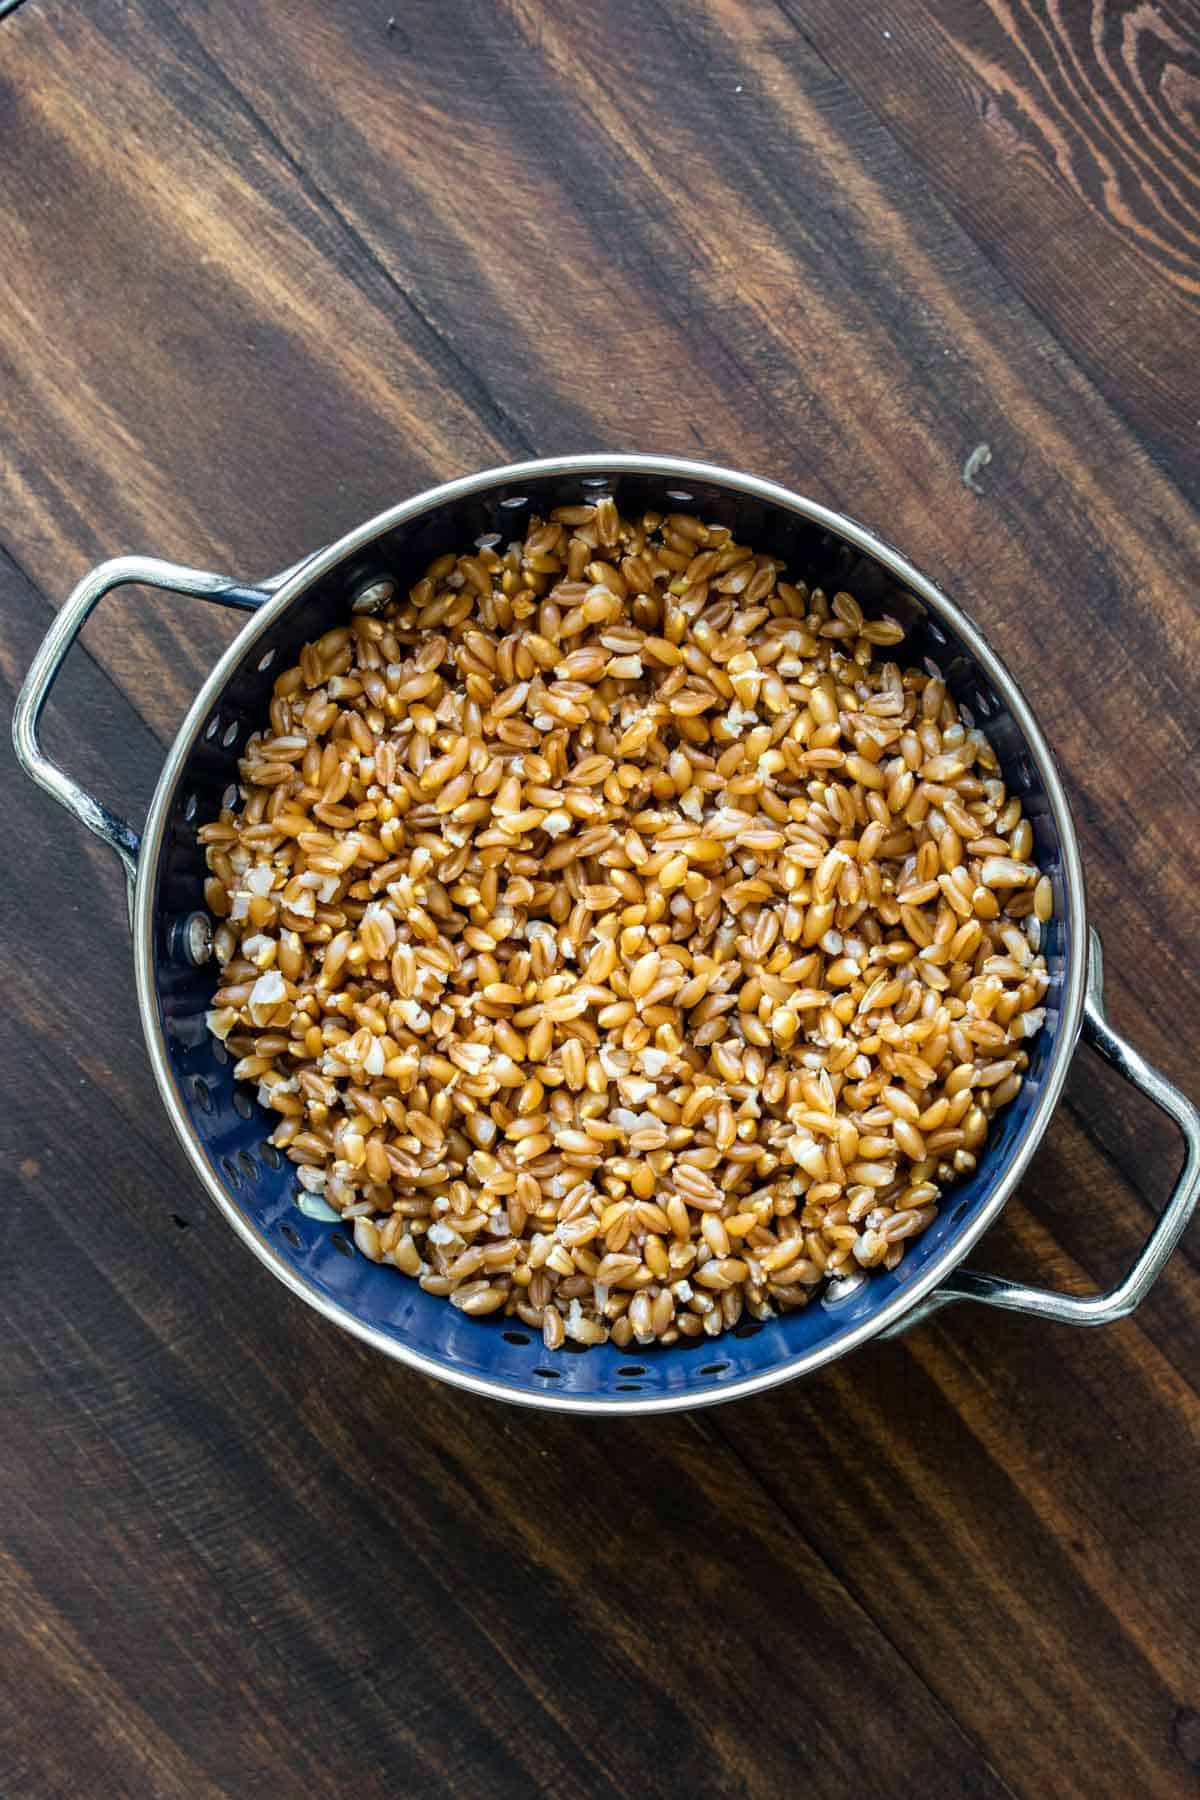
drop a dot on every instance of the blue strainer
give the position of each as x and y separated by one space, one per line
224 1131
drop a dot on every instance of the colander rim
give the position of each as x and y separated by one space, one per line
869 543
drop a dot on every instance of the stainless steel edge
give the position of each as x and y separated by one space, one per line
671 468
122 571
1119 1301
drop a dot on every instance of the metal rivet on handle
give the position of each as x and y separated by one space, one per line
842 1290
371 593
196 939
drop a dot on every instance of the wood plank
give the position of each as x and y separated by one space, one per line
1064 141
1028 1574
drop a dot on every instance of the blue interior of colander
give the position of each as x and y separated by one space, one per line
232 1130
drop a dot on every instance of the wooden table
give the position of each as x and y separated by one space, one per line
266 267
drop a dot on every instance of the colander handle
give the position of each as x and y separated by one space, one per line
1119 1301
122 571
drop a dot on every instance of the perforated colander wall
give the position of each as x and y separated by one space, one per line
229 1128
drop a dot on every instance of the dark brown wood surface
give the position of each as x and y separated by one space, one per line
266 266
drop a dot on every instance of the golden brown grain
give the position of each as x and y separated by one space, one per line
623 941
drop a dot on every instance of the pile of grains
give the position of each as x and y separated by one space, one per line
623 940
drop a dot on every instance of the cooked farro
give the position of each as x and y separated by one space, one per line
623 940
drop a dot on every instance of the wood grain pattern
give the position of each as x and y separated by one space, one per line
1060 135
263 269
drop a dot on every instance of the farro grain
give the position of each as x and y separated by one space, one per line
624 941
